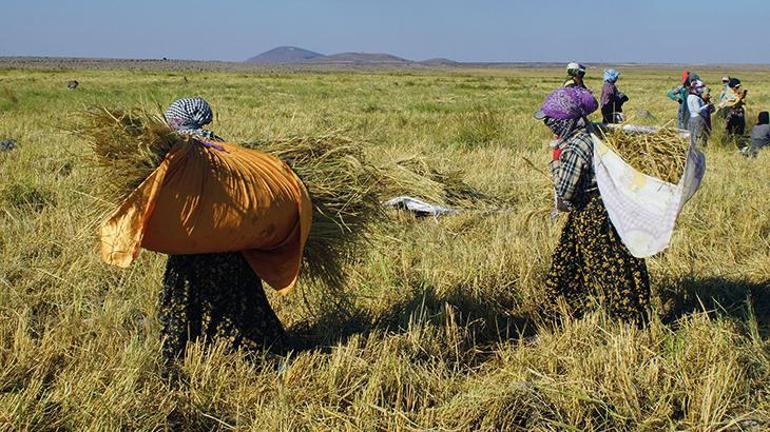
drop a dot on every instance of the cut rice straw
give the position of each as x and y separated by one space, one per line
660 154
346 189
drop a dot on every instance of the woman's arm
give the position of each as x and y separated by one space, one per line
739 97
673 94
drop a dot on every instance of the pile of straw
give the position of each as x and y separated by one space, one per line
129 146
661 154
414 176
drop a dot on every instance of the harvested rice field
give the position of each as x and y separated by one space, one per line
434 323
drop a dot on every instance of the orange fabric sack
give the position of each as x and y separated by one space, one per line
205 200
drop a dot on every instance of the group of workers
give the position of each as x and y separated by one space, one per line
591 264
219 296
696 107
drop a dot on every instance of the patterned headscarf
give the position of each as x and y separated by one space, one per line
697 87
189 115
568 103
563 128
611 75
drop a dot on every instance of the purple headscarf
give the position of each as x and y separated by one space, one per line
568 103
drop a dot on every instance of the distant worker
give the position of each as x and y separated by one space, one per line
735 122
612 99
679 95
725 94
591 261
575 74
700 113
760 135
711 110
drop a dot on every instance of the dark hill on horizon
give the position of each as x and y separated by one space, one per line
296 55
360 58
440 61
285 55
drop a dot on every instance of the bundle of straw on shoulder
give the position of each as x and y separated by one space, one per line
346 190
660 154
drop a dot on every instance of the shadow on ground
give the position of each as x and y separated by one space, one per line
736 298
488 322
485 321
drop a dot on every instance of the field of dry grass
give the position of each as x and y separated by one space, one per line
437 327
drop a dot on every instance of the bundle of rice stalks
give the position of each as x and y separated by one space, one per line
344 190
415 177
661 154
128 146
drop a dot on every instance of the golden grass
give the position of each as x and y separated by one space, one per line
436 326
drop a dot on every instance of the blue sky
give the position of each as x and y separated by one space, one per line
466 30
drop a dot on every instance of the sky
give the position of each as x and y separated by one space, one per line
642 31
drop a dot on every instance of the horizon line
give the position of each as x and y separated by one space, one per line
459 62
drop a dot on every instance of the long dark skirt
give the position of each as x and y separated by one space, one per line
735 123
683 115
700 130
216 297
591 266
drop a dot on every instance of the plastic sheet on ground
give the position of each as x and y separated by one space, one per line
419 207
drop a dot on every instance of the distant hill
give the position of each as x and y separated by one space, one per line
295 55
285 55
440 61
361 58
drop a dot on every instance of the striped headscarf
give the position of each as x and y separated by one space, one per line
189 115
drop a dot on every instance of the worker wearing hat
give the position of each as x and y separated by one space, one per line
575 74
735 122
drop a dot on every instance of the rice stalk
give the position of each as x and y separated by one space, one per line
661 154
128 146
343 188
414 176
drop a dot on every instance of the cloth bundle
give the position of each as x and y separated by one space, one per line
211 199
644 209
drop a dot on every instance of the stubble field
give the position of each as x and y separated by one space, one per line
437 327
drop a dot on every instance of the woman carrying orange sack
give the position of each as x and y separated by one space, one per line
228 217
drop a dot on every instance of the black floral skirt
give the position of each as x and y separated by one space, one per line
216 297
735 123
591 266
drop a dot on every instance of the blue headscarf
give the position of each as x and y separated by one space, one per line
611 75
189 115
